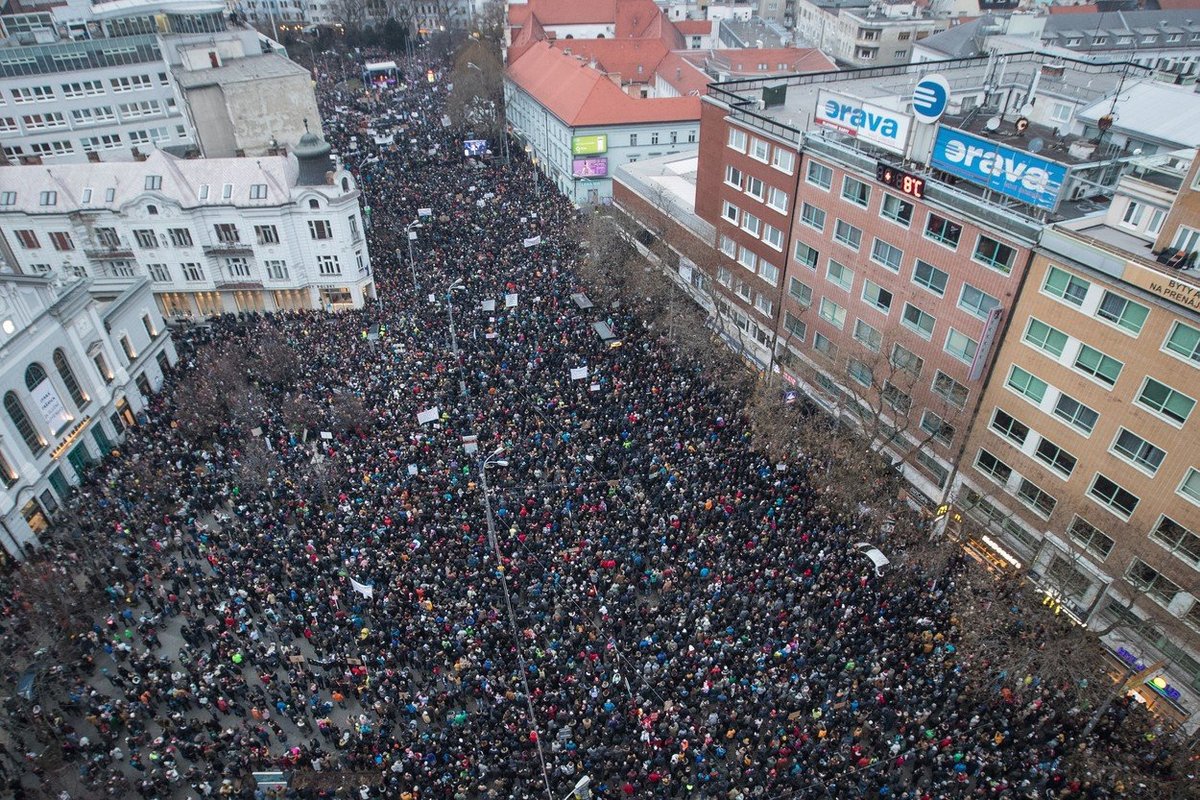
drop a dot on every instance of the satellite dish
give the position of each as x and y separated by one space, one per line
992 124
1036 144
1137 151
1027 109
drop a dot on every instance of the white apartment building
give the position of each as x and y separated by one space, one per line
862 33
96 82
212 235
80 358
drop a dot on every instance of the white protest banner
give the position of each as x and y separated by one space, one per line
428 415
362 588
533 241
510 300
489 305
46 398
578 373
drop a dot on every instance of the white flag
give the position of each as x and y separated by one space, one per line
362 588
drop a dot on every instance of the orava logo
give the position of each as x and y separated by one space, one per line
856 118
930 97
1007 165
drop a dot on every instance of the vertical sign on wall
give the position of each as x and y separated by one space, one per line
51 406
990 325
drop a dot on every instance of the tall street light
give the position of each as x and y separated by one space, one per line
495 459
537 187
462 381
412 236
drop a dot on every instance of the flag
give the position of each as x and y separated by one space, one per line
362 588
533 241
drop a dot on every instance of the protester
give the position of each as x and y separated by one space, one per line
690 620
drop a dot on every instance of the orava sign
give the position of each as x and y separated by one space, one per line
870 123
1014 173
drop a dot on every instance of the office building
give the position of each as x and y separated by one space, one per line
865 33
212 235
80 358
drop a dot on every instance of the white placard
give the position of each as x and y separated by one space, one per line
326 435
578 373
489 305
510 300
45 396
533 241
428 415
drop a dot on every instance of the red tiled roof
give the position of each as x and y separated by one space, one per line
682 75
793 59
1084 9
581 96
693 27
564 12
620 56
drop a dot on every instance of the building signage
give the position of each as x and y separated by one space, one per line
1157 683
874 124
45 396
911 185
589 167
931 95
1165 286
990 325
589 145
1013 173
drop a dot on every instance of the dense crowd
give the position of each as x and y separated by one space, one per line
688 619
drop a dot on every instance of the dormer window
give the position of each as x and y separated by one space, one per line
153 182
48 199
203 195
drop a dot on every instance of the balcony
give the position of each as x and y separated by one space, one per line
100 252
229 249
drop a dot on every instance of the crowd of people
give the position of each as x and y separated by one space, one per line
658 607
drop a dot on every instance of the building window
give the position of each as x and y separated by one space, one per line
832 313
8 475
917 320
783 160
258 191
899 400
1124 313
1090 538
1055 457
68 378
875 295
1009 427
728 246
193 272
777 199
812 216
320 229
840 275
1150 581
1027 385
824 346
942 230
1065 286
950 390
153 182
328 266
237 268
227 233
1113 497
227 191
847 234
868 336
751 224
773 237
756 188
794 326
1075 413
1138 451
20 420
859 372
1162 399
763 305
277 270
180 237
993 254
855 191
806 256
975 301
730 212
930 277
819 175
747 258
759 149
1044 337
28 239
1036 498
886 255
897 210
1182 543
159 273
961 346
48 199
742 290
1189 487
940 430
127 346
1103 368
1184 340
768 272
907 361
733 177
800 292
266 234
1067 579
737 139
992 467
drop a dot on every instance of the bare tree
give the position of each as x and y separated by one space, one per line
476 102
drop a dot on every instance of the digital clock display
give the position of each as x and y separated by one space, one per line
906 182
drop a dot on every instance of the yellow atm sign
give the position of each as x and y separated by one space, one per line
589 145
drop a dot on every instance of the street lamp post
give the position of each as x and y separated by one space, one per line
537 187
462 381
412 235
495 460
